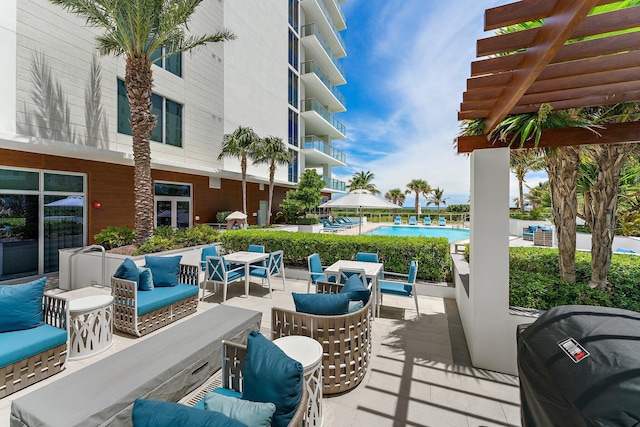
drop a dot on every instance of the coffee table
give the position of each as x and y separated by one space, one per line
90 326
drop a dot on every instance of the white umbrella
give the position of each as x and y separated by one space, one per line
360 199
68 201
236 215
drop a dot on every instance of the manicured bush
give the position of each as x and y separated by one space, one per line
432 254
113 237
222 216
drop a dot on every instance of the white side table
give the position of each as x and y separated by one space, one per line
90 326
308 352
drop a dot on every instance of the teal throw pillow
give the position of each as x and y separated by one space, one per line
21 305
164 269
356 290
128 270
321 304
533 228
355 306
145 279
153 413
253 414
272 376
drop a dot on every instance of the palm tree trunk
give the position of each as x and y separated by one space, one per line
417 201
243 167
520 185
272 178
610 160
562 168
588 209
139 82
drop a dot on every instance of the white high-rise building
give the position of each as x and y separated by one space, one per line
66 163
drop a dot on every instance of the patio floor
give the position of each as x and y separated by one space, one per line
420 373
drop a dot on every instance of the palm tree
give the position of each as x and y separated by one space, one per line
272 150
362 181
437 198
522 162
242 144
538 196
134 29
418 186
395 195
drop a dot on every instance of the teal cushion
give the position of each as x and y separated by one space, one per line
253 414
163 296
322 304
164 269
153 413
355 306
128 270
356 289
625 251
395 288
533 228
21 305
220 390
145 279
272 376
527 234
19 345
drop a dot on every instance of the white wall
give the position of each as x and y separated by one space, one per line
8 38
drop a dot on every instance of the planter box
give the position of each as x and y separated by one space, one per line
314 228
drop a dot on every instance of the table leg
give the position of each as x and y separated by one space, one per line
246 280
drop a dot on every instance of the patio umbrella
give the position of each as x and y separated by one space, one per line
68 201
359 199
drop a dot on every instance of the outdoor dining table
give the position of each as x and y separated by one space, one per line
371 269
246 258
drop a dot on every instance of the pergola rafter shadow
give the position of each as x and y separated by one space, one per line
550 64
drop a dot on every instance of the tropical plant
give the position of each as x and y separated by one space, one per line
240 144
522 162
135 29
305 197
395 195
273 151
437 198
362 181
420 187
539 196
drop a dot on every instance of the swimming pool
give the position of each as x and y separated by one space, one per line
453 234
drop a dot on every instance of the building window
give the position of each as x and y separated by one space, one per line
293 167
293 89
172 204
293 127
293 50
168 128
293 14
172 64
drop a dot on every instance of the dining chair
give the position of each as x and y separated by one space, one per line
274 266
345 273
316 270
207 251
401 287
367 257
219 273
256 248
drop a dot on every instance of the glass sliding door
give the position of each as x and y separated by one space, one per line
173 204
63 227
19 228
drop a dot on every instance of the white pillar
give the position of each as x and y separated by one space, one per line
491 341
8 72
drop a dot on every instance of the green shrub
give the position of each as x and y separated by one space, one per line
222 216
156 244
113 237
308 220
200 234
432 254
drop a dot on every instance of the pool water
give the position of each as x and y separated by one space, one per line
453 234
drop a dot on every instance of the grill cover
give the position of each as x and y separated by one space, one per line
601 389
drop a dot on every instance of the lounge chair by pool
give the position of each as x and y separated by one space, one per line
397 220
442 221
412 220
427 220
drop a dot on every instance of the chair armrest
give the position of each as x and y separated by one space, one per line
329 287
389 273
241 268
233 355
55 311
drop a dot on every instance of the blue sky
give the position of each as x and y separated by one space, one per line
407 66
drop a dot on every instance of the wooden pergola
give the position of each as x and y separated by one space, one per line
519 71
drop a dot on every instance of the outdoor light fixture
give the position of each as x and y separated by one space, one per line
96 205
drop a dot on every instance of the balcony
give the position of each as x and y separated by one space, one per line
319 86
319 121
316 12
318 153
335 11
316 48
334 184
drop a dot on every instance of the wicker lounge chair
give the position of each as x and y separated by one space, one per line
543 237
345 339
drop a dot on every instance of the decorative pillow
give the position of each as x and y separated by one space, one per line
145 279
153 413
253 414
355 306
272 376
128 270
532 228
322 304
164 269
356 290
21 305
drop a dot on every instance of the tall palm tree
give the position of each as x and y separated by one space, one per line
538 196
418 186
134 29
242 144
437 198
395 195
362 181
272 150
522 162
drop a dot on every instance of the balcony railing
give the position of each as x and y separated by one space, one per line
313 105
334 184
311 30
339 9
312 67
331 24
316 143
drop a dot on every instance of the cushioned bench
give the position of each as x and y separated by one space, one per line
165 366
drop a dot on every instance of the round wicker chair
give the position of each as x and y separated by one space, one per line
345 339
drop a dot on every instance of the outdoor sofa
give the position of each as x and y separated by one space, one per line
33 335
345 339
139 312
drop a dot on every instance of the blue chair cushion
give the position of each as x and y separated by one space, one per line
207 251
527 234
272 376
321 304
128 270
355 306
387 287
258 414
153 413
548 230
21 305
533 228
19 345
258 272
163 296
235 275
220 390
356 289
164 269
145 279
625 251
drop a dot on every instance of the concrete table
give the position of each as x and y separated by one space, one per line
246 258
90 326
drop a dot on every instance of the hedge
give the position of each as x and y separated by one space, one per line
432 254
